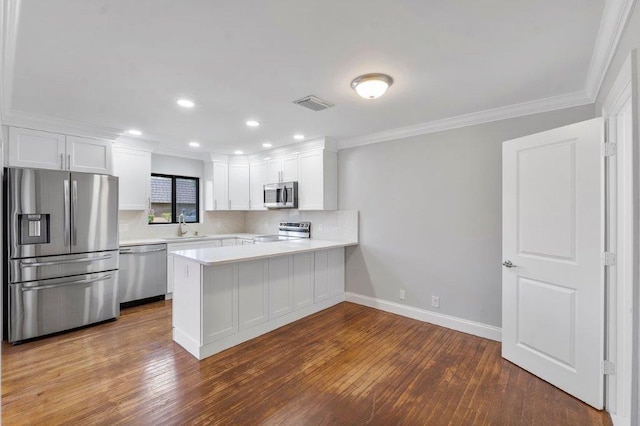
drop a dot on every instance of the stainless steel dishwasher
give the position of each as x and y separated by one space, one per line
143 272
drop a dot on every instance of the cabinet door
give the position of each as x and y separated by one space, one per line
321 275
33 148
290 168
89 155
220 186
274 171
253 293
257 179
219 302
169 270
133 168
280 286
303 280
239 186
335 275
310 183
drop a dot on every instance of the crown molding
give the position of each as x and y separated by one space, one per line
60 125
614 19
486 116
137 144
171 152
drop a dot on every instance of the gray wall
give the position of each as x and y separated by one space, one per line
630 40
430 215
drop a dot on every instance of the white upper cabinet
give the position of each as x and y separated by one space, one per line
318 180
257 178
216 185
133 168
45 150
284 169
89 155
238 186
33 148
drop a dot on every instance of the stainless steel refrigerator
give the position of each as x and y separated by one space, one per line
61 251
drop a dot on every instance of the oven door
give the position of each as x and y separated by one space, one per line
43 307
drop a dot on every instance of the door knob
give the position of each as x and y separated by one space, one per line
508 264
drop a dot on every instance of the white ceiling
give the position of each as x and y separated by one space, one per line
123 63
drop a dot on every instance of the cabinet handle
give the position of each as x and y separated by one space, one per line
69 162
249 204
62 161
229 204
215 204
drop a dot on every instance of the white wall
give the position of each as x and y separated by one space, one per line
430 215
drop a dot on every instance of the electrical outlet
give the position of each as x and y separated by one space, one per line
401 295
320 227
435 302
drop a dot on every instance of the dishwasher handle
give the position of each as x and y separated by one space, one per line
130 251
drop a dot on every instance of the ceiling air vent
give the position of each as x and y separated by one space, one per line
313 103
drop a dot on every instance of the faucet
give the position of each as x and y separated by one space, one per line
182 225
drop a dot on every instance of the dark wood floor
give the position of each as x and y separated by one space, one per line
346 365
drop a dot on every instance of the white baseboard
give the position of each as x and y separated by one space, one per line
620 420
454 323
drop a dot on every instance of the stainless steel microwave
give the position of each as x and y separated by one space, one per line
283 195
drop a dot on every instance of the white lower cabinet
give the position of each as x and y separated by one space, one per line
303 279
328 273
280 286
219 306
220 296
253 279
184 246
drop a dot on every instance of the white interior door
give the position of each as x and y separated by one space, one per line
552 239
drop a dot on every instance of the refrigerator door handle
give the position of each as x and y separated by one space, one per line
67 213
24 264
74 202
45 287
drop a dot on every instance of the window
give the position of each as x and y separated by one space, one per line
172 196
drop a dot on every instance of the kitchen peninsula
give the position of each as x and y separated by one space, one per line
225 297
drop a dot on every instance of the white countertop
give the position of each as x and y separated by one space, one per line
219 255
189 239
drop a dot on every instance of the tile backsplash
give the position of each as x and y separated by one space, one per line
339 225
133 225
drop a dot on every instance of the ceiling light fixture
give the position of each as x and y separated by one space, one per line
185 103
194 144
238 152
298 137
371 86
266 145
134 132
252 123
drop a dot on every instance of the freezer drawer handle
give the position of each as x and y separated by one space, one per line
141 252
62 262
45 287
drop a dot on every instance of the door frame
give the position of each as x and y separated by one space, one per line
621 320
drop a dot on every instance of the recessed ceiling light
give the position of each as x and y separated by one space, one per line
185 103
238 152
266 145
134 132
267 158
298 137
371 86
194 144
252 123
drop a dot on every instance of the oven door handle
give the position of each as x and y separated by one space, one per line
46 287
24 264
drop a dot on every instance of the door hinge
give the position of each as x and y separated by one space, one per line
607 368
609 149
608 259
